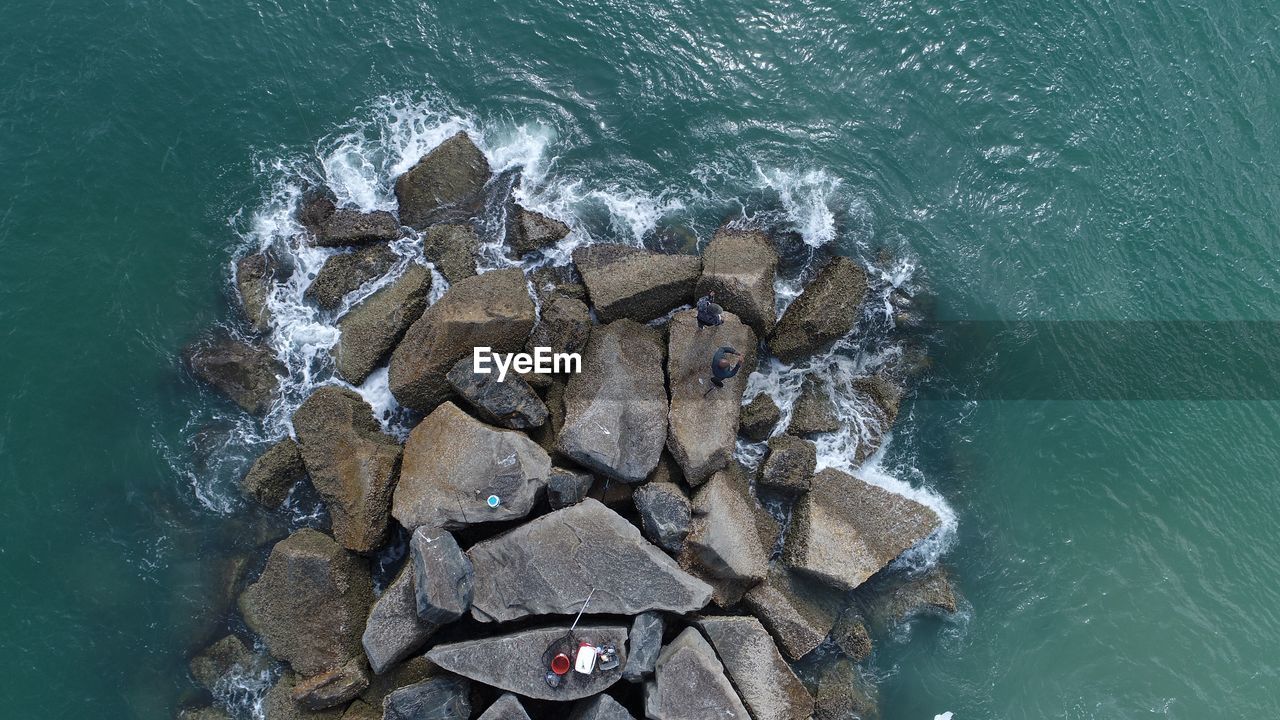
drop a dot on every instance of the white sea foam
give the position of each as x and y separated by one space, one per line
806 197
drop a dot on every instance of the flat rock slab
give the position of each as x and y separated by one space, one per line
519 662
507 707
739 266
827 310
370 331
341 274
764 680
797 611
549 565
629 282
394 631
440 698
731 537
789 464
690 684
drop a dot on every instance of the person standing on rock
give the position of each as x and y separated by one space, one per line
709 311
725 363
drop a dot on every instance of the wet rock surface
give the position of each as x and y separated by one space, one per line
813 411
827 310
454 249
225 659
248 374
759 417
529 231
446 184
510 403
280 705
274 474
628 282
255 275
371 329
345 273
739 266
789 464
347 226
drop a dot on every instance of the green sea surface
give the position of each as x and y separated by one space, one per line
1034 162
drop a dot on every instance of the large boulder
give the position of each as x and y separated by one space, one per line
510 403
453 248
278 704
797 611
310 603
759 418
371 329
645 644
564 327
443 577
616 408
844 694
394 631
827 310
930 592
844 530
346 272
225 659
506 707
629 282
878 399
850 635
789 464
410 672
731 537
352 464
702 425
548 566
453 463
248 374
600 707
446 184
274 474
333 688
347 226
690 684
255 274
491 310
665 514
440 698
813 411
767 685
529 231
519 662
738 266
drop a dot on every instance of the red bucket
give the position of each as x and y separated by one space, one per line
560 664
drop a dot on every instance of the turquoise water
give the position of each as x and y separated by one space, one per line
1099 161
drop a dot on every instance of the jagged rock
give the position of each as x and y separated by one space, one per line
278 704
453 463
813 411
739 265
702 426
394 630
567 487
843 694
759 418
229 656
798 612
616 408
886 393
565 326
335 687
644 645
510 403
443 577
248 374
446 184
600 707
844 530
352 464
551 280
764 681
506 707
518 662
547 566
371 329
850 634
665 514
274 474
493 310
410 672
310 603
347 226
440 698
789 464
361 710
730 537
928 592
629 282
318 204
453 249
345 273
254 276
690 684
528 231
827 310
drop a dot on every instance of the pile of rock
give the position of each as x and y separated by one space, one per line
613 492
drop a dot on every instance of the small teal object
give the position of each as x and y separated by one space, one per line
494 501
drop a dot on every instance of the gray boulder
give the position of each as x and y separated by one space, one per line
690 684
548 565
446 184
665 514
410 672
394 631
730 538
333 688
440 698
600 707
797 611
352 464
310 603
739 266
766 684
453 463
507 707
645 644
347 226
278 704
529 231
518 662
567 487
789 464
255 275
453 249
759 417
510 403
629 282
444 579
565 325
345 273
827 310
248 374
274 474
844 530
370 331
492 310
616 408
813 411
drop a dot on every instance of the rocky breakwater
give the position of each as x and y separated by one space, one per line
585 544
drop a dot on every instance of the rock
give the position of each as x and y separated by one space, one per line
927 592
318 204
446 184
702 426
551 280
564 327
410 672
347 226
444 578
739 266
843 694
345 273
255 275
352 464
394 631
616 408
278 704
789 464
764 681
310 603
567 487
248 374
629 282
274 474
510 403
453 249
878 400
730 537
204 713
453 463
518 662
690 684
851 636
826 311
333 688
644 645
228 657
492 310
798 612
886 394
665 514
361 710
507 707
759 417
370 331
600 707
547 566
844 530
529 231
440 698
813 411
